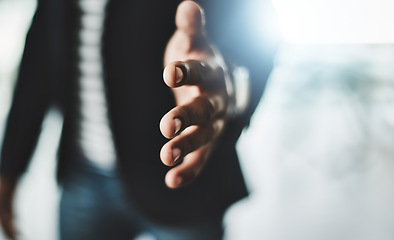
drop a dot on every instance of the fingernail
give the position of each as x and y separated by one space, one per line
178 75
176 154
178 125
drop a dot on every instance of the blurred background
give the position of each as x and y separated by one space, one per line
318 156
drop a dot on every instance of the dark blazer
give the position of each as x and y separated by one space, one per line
134 41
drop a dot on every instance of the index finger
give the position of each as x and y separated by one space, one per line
192 72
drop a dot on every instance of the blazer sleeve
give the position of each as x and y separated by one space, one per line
30 99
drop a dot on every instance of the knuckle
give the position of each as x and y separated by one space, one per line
189 145
211 131
207 108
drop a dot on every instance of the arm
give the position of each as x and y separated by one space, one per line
30 102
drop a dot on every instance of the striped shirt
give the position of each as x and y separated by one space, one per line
95 136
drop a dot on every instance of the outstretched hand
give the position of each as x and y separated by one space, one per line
197 76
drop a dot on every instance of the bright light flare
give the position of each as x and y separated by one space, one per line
336 21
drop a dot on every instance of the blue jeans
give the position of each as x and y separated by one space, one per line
93 206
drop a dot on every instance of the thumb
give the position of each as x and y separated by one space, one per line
189 19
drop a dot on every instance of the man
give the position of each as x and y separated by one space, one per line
119 189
